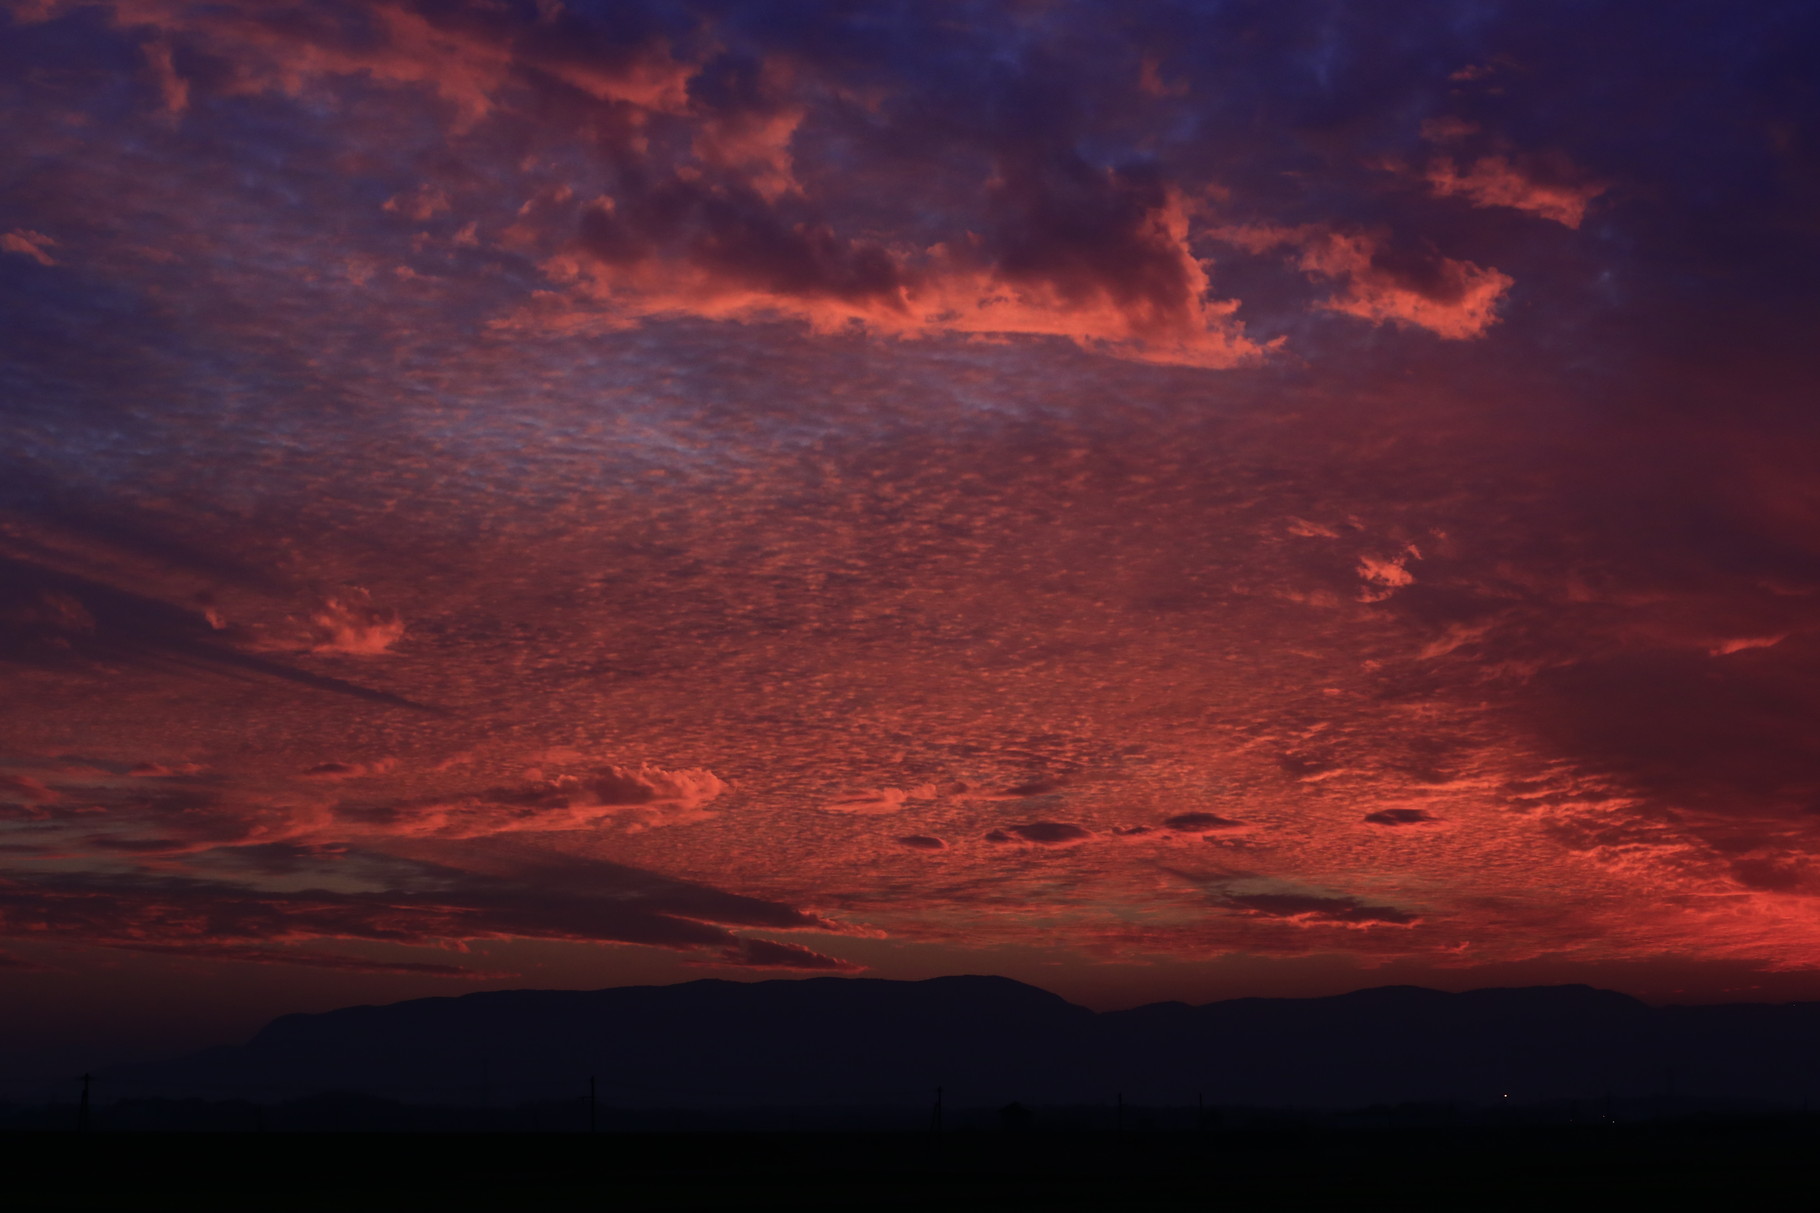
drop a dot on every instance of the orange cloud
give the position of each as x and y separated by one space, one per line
29 244
724 252
1496 181
350 624
1098 256
1740 644
1452 299
470 58
172 87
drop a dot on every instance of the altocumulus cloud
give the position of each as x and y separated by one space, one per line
1186 425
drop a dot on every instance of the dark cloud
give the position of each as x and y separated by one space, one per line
310 959
736 238
1043 833
157 770
1400 817
1198 823
1724 734
591 902
1302 907
56 618
764 954
23 788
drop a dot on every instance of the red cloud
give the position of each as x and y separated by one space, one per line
471 56
708 218
25 788
601 903
1496 181
875 801
642 797
29 244
1453 299
725 251
1198 823
350 624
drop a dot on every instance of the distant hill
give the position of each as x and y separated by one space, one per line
860 1042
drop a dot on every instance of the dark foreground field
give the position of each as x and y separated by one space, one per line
1622 1167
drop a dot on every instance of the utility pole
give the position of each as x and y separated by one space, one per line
593 1108
1121 1113
82 1108
484 1117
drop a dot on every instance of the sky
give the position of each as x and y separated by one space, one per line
1158 500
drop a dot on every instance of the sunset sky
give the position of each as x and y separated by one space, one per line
1157 500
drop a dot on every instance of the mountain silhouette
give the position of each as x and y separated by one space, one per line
832 1042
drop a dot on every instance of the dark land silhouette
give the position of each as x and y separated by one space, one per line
1735 1163
955 1093
872 1052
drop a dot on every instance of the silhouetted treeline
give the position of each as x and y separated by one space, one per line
1294 1165
352 1112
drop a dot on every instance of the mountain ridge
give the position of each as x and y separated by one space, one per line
837 1041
